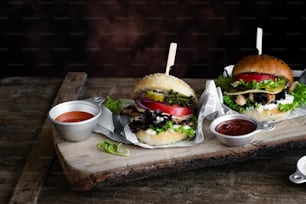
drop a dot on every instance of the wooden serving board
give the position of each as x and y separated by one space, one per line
86 167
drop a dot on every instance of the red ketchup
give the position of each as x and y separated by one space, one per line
74 116
235 127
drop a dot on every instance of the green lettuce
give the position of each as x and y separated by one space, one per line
275 85
299 94
190 132
112 104
270 85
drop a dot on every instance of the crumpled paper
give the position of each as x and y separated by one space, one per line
116 127
211 106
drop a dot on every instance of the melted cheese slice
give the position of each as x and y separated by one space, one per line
268 91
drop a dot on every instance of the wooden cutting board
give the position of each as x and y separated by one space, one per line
87 167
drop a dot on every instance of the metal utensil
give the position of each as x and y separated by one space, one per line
238 140
81 130
299 176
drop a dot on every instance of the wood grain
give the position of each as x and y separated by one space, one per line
42 154
88 168
24 103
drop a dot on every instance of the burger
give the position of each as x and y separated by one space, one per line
260 86
164 110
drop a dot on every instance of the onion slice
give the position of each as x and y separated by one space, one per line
138 102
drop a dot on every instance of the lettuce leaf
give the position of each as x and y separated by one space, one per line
112 104
275 85
226 84
299 94
190 132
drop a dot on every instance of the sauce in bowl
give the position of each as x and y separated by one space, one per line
235 127
74 116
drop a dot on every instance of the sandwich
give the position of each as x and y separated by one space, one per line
260 86
164 110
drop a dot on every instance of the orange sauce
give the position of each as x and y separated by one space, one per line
74 116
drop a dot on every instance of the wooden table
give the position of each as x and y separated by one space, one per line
31 173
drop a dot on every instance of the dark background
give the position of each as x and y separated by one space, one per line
131 38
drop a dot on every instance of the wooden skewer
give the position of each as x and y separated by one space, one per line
259 40
171 57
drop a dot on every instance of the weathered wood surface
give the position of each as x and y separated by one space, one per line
23 108
42 154
89 168
24 103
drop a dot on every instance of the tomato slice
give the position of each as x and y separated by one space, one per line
249 77
175 110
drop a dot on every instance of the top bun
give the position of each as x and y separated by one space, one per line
264 64
163 82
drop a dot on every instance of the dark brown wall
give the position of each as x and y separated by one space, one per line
132 37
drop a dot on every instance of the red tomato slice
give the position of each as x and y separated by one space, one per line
175 110
249 77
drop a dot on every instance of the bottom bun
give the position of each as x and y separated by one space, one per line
267 115
163 138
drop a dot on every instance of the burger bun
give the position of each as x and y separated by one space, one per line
163 82
263 64
267 115
164 138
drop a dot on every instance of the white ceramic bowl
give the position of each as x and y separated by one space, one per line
233 132
75 131
300 175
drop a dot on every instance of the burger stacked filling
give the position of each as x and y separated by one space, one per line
254 90
260 83
162 111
